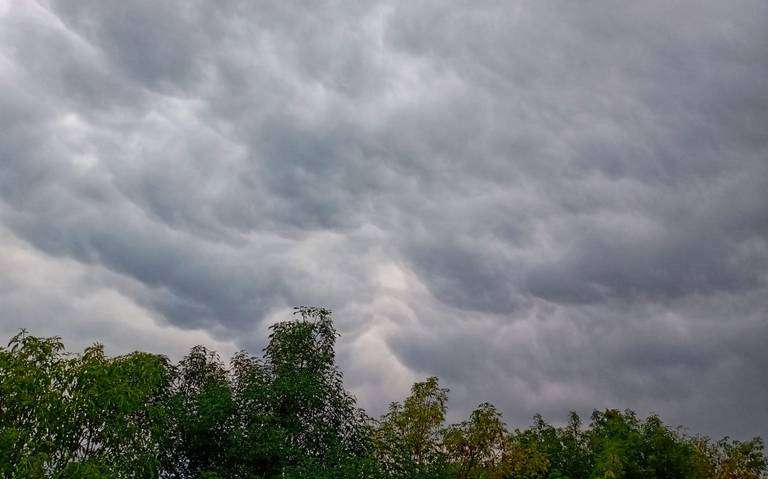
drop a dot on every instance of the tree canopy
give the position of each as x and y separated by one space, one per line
287 414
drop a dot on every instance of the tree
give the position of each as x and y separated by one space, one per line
667 455
476 447
287 415
544 450
259 445
33 377
522 460
729 459
320 419
203 410
615 440
409 435
79 416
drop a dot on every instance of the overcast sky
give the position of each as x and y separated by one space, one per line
550 205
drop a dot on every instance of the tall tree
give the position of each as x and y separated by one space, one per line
79 416
203 410
409 435
321 420
476 447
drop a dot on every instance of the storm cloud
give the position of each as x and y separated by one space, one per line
552 206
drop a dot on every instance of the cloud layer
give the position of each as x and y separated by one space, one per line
549 205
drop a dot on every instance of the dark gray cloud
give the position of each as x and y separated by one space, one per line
551 206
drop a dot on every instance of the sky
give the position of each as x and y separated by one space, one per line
550 205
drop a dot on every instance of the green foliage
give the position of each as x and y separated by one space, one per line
408 436
729 459
287 415
307 396
553 452
476 447
202 408
79 416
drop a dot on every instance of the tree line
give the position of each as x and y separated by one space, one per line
286 414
